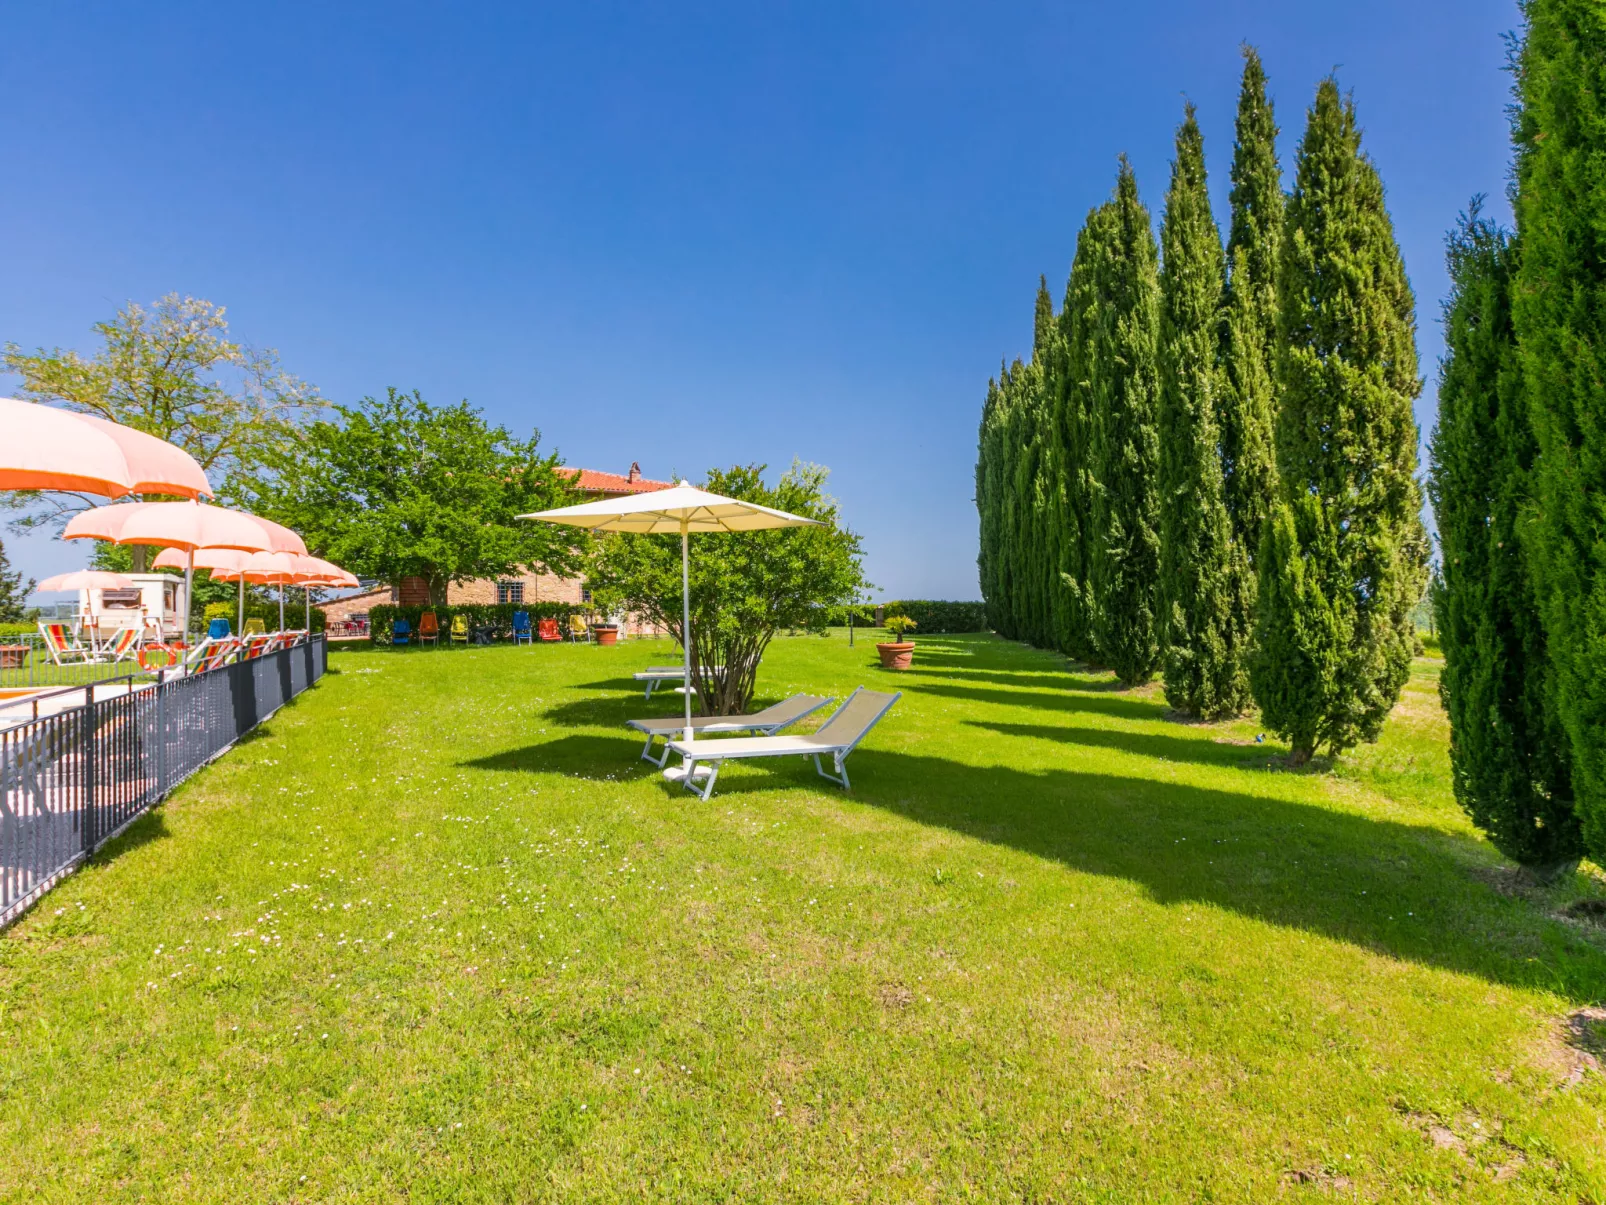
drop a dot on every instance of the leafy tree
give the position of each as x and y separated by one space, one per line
1346 451
1247 402
1560 315
395 488
1507 748
173 372
1202 569
13 593
745 587
1073 430
1124 553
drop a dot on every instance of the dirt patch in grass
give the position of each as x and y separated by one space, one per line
1319 1177
894 995
1591 912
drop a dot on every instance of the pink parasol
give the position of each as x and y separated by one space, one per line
49 449
88 579
184 525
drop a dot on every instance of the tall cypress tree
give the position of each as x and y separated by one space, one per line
1079 321
1202 570
1560 314
1124 564
989 505
1011 523
1044 372
1346 450
1254 246
1507 748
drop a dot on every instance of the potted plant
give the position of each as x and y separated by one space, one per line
606 632
898 652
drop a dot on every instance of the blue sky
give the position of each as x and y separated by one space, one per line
687 235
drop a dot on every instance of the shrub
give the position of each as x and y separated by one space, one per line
267 612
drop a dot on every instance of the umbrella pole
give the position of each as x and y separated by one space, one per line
281 606
240 629
189 589
685 616
306 597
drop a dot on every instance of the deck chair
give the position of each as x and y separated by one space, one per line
579 629
429 628
400 632
256 644
546 631
459 629
64 648
125 644
521 628
768 722
836 738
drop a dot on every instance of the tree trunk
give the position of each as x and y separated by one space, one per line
139 553
1299 755
437 590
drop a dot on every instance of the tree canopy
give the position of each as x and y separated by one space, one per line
174 372
394 487
745 587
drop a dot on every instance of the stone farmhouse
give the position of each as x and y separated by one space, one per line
526 587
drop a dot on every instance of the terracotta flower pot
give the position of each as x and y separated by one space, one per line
607 633
896 656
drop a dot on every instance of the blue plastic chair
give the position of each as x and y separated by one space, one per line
218 629
521 628
399 632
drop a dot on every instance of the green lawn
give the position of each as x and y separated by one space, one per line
436 934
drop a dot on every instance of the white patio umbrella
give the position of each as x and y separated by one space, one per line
683 508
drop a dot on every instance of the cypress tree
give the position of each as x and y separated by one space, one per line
1346 452
1560 314
1254 243
1507 749
1079 320
1043 374
989 505
1201 569
1124 564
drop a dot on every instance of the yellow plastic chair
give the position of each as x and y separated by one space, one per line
254 627
579 629
459 629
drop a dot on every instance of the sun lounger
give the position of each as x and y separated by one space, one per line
769 721
657 675
836 738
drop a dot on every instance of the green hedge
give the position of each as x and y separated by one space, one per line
268 613
18 629
380 617
933 616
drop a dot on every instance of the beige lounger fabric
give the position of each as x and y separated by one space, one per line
771 719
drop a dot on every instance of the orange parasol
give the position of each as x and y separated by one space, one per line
50 449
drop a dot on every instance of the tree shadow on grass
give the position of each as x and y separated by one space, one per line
579 755
1071 681
613 711
1395 889
1161 745
1065 701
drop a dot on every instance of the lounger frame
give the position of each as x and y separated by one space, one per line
698 753
725 724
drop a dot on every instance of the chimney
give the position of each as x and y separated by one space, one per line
635 472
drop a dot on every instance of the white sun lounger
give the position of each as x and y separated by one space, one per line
657 675
769 721
836 738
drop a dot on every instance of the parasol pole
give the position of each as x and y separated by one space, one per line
240 629
281 606
306 595
189 589
685 615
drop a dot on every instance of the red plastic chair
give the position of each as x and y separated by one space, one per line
547 630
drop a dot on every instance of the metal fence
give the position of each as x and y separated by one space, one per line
26 664
70 781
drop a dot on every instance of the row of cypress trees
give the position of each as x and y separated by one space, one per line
1518 475
1206 470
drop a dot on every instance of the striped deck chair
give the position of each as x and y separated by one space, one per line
64 648
125 644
